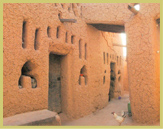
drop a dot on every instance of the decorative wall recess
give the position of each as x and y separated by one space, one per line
107 58
119 72
24 34
72 39
58 31
85 52
59 15
49 31
36 40
66 37
103 79
80 51
104 57
83 73
25 76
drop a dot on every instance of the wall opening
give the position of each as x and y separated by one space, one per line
54 93
85 51
80 54
49 31
112 80
83 74
36 40
57 34
103 79
119 72
26 72
104 57
72 39
24 34
66 35
60 15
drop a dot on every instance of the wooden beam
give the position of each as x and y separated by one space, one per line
119 45
109 28
68 20
132 9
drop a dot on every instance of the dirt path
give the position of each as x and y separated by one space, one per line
104 117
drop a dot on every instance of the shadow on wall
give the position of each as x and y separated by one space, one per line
26 74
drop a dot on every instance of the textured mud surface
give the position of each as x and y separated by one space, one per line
104 117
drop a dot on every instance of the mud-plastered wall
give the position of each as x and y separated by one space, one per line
107 13
125 76
35 40
143 63
25 53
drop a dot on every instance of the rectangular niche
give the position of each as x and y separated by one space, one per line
36 40
24 29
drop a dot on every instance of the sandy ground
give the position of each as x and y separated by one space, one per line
104 117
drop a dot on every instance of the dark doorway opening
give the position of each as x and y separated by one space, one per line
112 80
54 93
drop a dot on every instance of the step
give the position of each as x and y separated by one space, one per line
41 117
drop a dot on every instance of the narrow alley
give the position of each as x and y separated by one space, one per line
63 62
104 117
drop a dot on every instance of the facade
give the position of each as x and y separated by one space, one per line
75 68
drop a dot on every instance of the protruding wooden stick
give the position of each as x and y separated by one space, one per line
132 9
68 20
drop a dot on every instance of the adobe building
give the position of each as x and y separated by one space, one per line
68 58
